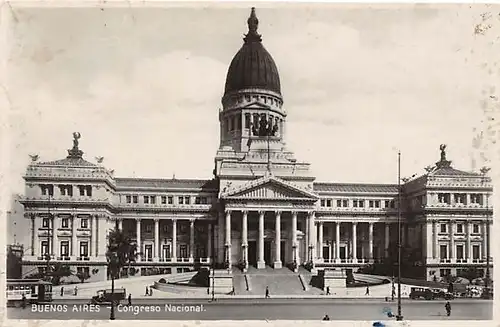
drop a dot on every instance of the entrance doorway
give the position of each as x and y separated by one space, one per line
267 252
326 252
252 253
343 252
283 252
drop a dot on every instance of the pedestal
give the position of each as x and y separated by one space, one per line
261 265
334 279
278 265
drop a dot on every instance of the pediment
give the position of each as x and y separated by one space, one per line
269 188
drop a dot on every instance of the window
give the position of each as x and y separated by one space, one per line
339 203
200 200
183 251
128 198
186 200
170 200
65 223
247 120
83 271
85 190
135 199
45 222
322 202
475 228
443 251
444 198
374 203
476 198
146 199
66 190
84 249
64 248
149 228
181 200
476 252
84 223
358 203
163 199
444 272
328 202
460 198
460 228
443 228
45 248
47 189
460 251
390 204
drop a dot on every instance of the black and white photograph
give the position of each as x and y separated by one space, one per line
242 161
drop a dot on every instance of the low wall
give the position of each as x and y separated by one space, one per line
221 281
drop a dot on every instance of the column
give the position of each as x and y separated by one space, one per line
337 241
483 243
277 239
295 246
156 252
120 224
74 252
260 263
55 246
244 238
312 236
34 234
354 242
228 238
467 246
387 239
306 241
370 241
101 238
452 240
191 240
320 240
138 233
174 241
209 241
434 240
94 237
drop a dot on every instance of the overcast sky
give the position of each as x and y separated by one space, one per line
143 86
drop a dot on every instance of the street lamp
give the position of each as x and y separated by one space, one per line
484 171
213 261
399 317
113 264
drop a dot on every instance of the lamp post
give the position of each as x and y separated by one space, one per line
484 171
113 263
399 317
213 261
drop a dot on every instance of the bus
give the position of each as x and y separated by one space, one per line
34 290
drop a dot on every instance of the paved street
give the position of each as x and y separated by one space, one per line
258 309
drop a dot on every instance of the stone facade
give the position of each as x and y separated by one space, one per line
262 207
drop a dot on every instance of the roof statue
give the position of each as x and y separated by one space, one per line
442 147
253 24
75 152
443 163
99 159
34 157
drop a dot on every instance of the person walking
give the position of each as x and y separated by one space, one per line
267 292
367 290
150 291
129 299
447 306
62 291
328 290
75 291
24 301
147 291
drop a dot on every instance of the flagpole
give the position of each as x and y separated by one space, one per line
399 317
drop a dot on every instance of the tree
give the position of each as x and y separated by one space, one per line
125 249
83 276
471 273
57 271
14 265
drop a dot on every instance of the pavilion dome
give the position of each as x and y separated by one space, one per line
253 67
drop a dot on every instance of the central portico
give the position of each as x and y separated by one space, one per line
264 223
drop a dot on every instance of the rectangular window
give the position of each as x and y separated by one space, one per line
170 200
84 223
149 228
322 202
329 202
84 249
443 228
128 199
197 200
181 200
204 200
371 204
460 251
163 200
476 252
355 203
476 198
135 199
81 188
443 251
183 251
475 228
47 189
339 203
45 222
444 198
460 228
65 223
186 200
146 199
345 203
460 198
152 199
45 248
89 190
64 248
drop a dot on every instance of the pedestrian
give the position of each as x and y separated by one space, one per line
147 291
326 317
24 301
129 299
267 292
232 291
447 306
62 291
75 291
367 290
328 290
150 291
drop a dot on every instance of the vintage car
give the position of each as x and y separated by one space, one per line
106 296
429 294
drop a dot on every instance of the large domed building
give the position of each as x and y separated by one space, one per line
262 208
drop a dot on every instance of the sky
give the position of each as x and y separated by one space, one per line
143 86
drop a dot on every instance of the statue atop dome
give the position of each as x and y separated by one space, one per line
75 152
253 24
443 163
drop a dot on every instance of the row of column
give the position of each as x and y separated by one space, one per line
156 250
451 234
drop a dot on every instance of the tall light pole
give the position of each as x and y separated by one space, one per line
484 171
113 263
399 317
213 260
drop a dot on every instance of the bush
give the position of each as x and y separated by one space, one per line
162 280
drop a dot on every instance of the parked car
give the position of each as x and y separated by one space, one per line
106 296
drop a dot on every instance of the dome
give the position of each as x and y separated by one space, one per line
252 66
